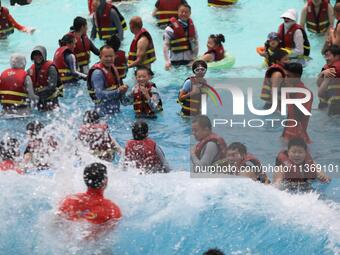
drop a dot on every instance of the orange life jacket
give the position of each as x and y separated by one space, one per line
221 144
150 55
143 153
166 10
317 23
121 64
287 39
218 52
12 88
112 80
182 37
267 93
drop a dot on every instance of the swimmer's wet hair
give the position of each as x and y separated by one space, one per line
297 142
95 175
277 55
67 39
213 252
203 121
114 42
185 5
140 130
78 22
218 39
242 149
295 68
143 68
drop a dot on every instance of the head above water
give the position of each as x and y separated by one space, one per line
18 61
68 40
95 176
9 149
279 57
143 75
79 25
140 130
332 54
290 16
107 56
114 42
91 117
39 54
236 152
136 24
34 128
294 70
199 68
297 150
216 39
213 252
201 127
184 12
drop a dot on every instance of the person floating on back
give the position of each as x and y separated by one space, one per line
96 137
143 152
215 48
91 206
9 153
45 78
297 168
144 95
8 24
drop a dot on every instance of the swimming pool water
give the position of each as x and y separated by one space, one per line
170 214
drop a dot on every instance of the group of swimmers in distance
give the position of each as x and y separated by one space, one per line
46 81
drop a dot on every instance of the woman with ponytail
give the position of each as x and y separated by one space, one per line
215 48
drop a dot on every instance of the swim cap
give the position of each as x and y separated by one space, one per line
91 117
95 175
140 130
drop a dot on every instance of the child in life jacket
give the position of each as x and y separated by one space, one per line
95 136
242 163
40 146
215 48
297 168
9 153
144 95
270 46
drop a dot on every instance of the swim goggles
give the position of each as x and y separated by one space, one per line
200 69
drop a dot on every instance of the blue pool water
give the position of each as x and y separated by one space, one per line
170 214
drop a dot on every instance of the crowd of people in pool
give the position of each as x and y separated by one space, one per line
286 52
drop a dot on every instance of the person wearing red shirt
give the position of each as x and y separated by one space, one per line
8 23
91 206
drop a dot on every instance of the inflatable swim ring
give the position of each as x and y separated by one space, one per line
226 63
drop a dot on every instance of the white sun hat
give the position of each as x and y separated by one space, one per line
290 14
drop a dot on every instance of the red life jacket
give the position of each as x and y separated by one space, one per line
287 39
181 40
166 10
96 137
295 174
105 27
6 28
333 91
140 103
121 63
218 52
221 2
143 153
222 146
317 23
63 69
300 131
82 49
90 206
40 80
9 165
266 93
150 55
252 159
12 88
112 80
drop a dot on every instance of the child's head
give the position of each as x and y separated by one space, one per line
184 12
236 153
279 57
273 40
297 151
199 68
143 75
114 42
294 70
215 41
